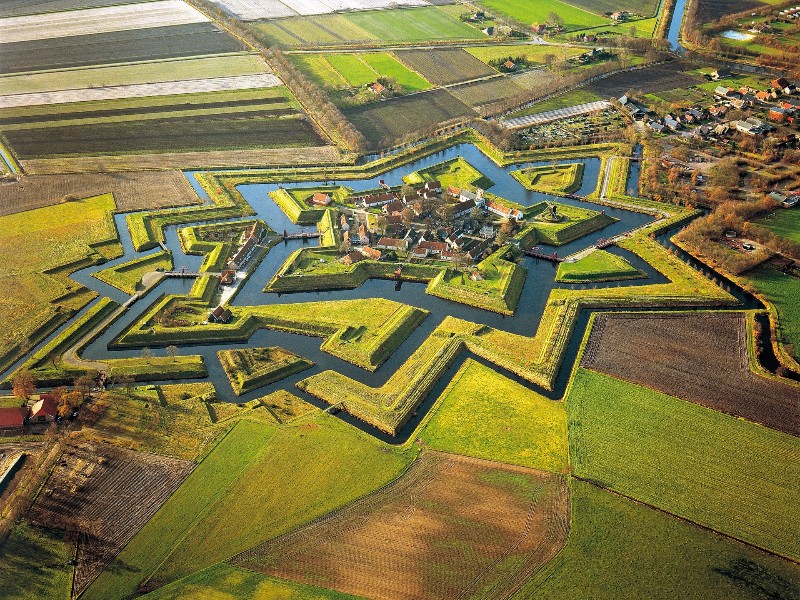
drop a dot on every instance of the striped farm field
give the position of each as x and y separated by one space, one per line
140 73
478 93
445 66
526 11
374 27
250 10
733 476
18 8
534 54
335 71
144 90
154 43
99 20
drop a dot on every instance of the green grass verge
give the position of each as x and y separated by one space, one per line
456 172
783 222
251 368
623 549
486 415
782 291
556 179
128 276
668 453
597 266
274 478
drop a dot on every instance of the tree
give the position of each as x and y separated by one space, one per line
127 381
407 216
69 402
23 384
173 351
85 384
147 354
553 18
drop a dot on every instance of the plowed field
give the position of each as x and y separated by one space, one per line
702 358
451 527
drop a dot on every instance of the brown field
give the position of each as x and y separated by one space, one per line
657 78
132 191
710 10
702 358
105 495
215 159
451 527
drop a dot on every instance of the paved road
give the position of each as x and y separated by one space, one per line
556 115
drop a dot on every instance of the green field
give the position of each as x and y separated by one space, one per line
669 453
388 66
224 582
597 266
641 7
622 549
551 179
352 68
782 291
259 481
533 54
251 368
456 172
579 96
373 27
783 222
128 276
486 415
40 248
528 12
33 565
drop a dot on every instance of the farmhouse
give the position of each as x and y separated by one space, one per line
721 73
320 199
12 418
44 411
220 315
377 87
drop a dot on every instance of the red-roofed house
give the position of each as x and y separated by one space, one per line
44 411
320 199
13 417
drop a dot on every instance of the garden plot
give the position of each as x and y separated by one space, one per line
702 358
250 10
143 90
451 527
106 494
99 20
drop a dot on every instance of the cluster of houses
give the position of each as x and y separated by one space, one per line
14 418
460 242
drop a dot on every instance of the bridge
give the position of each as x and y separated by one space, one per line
554 257
300 236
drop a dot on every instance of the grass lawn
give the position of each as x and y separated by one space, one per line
622 549
224 582
355 71
456 172
783 222
597 266
40 247
251 368
486 415
388 66
259 481
413 25
33 565
529 12
128 276
733 476
563 179
783 291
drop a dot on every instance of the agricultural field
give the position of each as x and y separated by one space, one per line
39 294
597 266
172 420
76 498
373 28
35 564
321 465
574 98
639 552
533 54
538 12
747 475
480 93
131 191
782 291
645 8
653 79
391 540
386 123
486 415
701 358
249 10
783 223
445 66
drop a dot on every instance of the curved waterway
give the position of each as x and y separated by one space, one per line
539 283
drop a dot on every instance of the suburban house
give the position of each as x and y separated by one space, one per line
389 243
433 186
504 211
44 411
13 417
777 114
371 253
377 87
352 258
374 200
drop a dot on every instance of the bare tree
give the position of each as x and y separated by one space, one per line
173 351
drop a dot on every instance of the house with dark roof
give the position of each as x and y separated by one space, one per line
44 411
220 315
